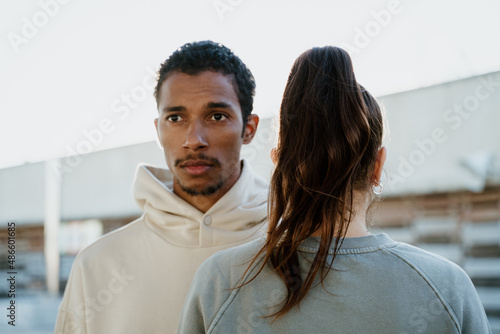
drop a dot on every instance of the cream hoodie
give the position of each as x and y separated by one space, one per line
135 279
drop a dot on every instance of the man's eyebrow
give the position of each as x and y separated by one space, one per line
209 105
174 109
214 105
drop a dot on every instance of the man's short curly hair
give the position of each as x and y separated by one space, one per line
194 58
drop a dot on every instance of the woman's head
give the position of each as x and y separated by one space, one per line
328 144
328 139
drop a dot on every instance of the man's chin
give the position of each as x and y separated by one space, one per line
201 190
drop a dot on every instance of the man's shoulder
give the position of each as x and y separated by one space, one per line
114 241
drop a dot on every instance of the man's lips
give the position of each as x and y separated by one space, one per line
196 167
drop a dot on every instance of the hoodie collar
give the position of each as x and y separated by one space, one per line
235 217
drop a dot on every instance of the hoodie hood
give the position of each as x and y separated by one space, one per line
237 216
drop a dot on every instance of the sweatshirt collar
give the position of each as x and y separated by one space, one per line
366 244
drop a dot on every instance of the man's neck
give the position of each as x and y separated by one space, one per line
202 203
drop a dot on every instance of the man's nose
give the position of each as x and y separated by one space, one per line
195 137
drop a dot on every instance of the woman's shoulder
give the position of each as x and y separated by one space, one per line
439 272
425 260
232 263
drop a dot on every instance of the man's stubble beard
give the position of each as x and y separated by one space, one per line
207 191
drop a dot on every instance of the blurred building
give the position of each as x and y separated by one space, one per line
442 186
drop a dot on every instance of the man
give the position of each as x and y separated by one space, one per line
135 279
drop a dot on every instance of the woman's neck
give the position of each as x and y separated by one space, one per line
357 227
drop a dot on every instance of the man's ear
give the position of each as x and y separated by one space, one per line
274 155
158 139
250 128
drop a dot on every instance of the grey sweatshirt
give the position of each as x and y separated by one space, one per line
377 286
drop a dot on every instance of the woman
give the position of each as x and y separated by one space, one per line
319 269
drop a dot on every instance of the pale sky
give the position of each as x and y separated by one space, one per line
78 74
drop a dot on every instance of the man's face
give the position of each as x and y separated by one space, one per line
200 128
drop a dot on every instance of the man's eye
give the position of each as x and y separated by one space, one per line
219 117
173 118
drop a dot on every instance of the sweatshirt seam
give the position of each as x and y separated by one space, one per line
350 251
431 284
66 321
68 311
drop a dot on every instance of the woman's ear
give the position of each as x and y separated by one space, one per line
379 165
